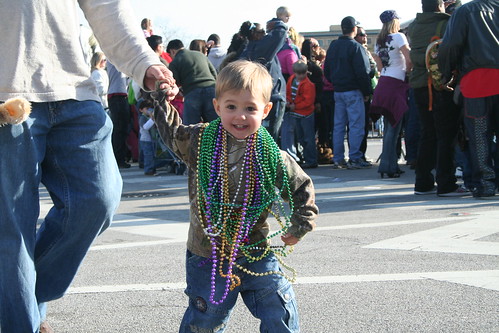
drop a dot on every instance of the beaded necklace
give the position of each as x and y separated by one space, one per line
228 224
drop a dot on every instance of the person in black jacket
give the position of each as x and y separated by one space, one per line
347 68
264 51
471 47
440 123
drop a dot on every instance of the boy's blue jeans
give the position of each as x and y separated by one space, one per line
302 129
67 147
269 298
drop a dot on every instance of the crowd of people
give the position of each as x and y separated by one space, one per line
354 89
243 123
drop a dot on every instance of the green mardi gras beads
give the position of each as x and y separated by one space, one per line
268 160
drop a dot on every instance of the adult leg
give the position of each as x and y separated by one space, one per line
478 118
446 115
340 123
270 298
307 125
356 123
288 135
412 131
389 158
193 105
325 119
119 110
208 110
427 151
363 145
274 120
80 173
19 207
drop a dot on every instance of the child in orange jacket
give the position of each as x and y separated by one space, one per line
299 124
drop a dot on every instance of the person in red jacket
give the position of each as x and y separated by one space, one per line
298 124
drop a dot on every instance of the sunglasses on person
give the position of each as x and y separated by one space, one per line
362 35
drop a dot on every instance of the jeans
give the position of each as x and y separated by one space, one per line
481 118
151 163
412 129
269 298
198 106
389 157
437 142
67 147
349 111
120 113
273 122
300 129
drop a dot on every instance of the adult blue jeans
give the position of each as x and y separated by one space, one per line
269 298
273 122
198 106
349 111
388 161
66 146
297 128
151 163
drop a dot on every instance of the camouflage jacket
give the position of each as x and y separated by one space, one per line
183 140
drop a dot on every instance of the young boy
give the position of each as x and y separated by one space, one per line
147 144
282 14
237 176
148 139
299 123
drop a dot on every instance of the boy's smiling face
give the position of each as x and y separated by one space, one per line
241 112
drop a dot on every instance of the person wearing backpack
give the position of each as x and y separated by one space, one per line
439 114
471 46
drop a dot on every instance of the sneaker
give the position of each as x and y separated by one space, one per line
358 164
432 191
484 195
124 165
309 166
340 165
458 192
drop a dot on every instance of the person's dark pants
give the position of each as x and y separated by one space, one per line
411 130
119 111
324 119
481 118
198 106
273 121
437 142
363 145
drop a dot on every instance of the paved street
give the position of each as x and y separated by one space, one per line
381 260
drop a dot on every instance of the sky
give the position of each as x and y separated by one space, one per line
197 19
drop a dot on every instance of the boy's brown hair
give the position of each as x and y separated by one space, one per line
300 67
244 75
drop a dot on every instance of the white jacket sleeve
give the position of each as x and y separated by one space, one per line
120 36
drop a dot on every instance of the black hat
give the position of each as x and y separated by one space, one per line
349 23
